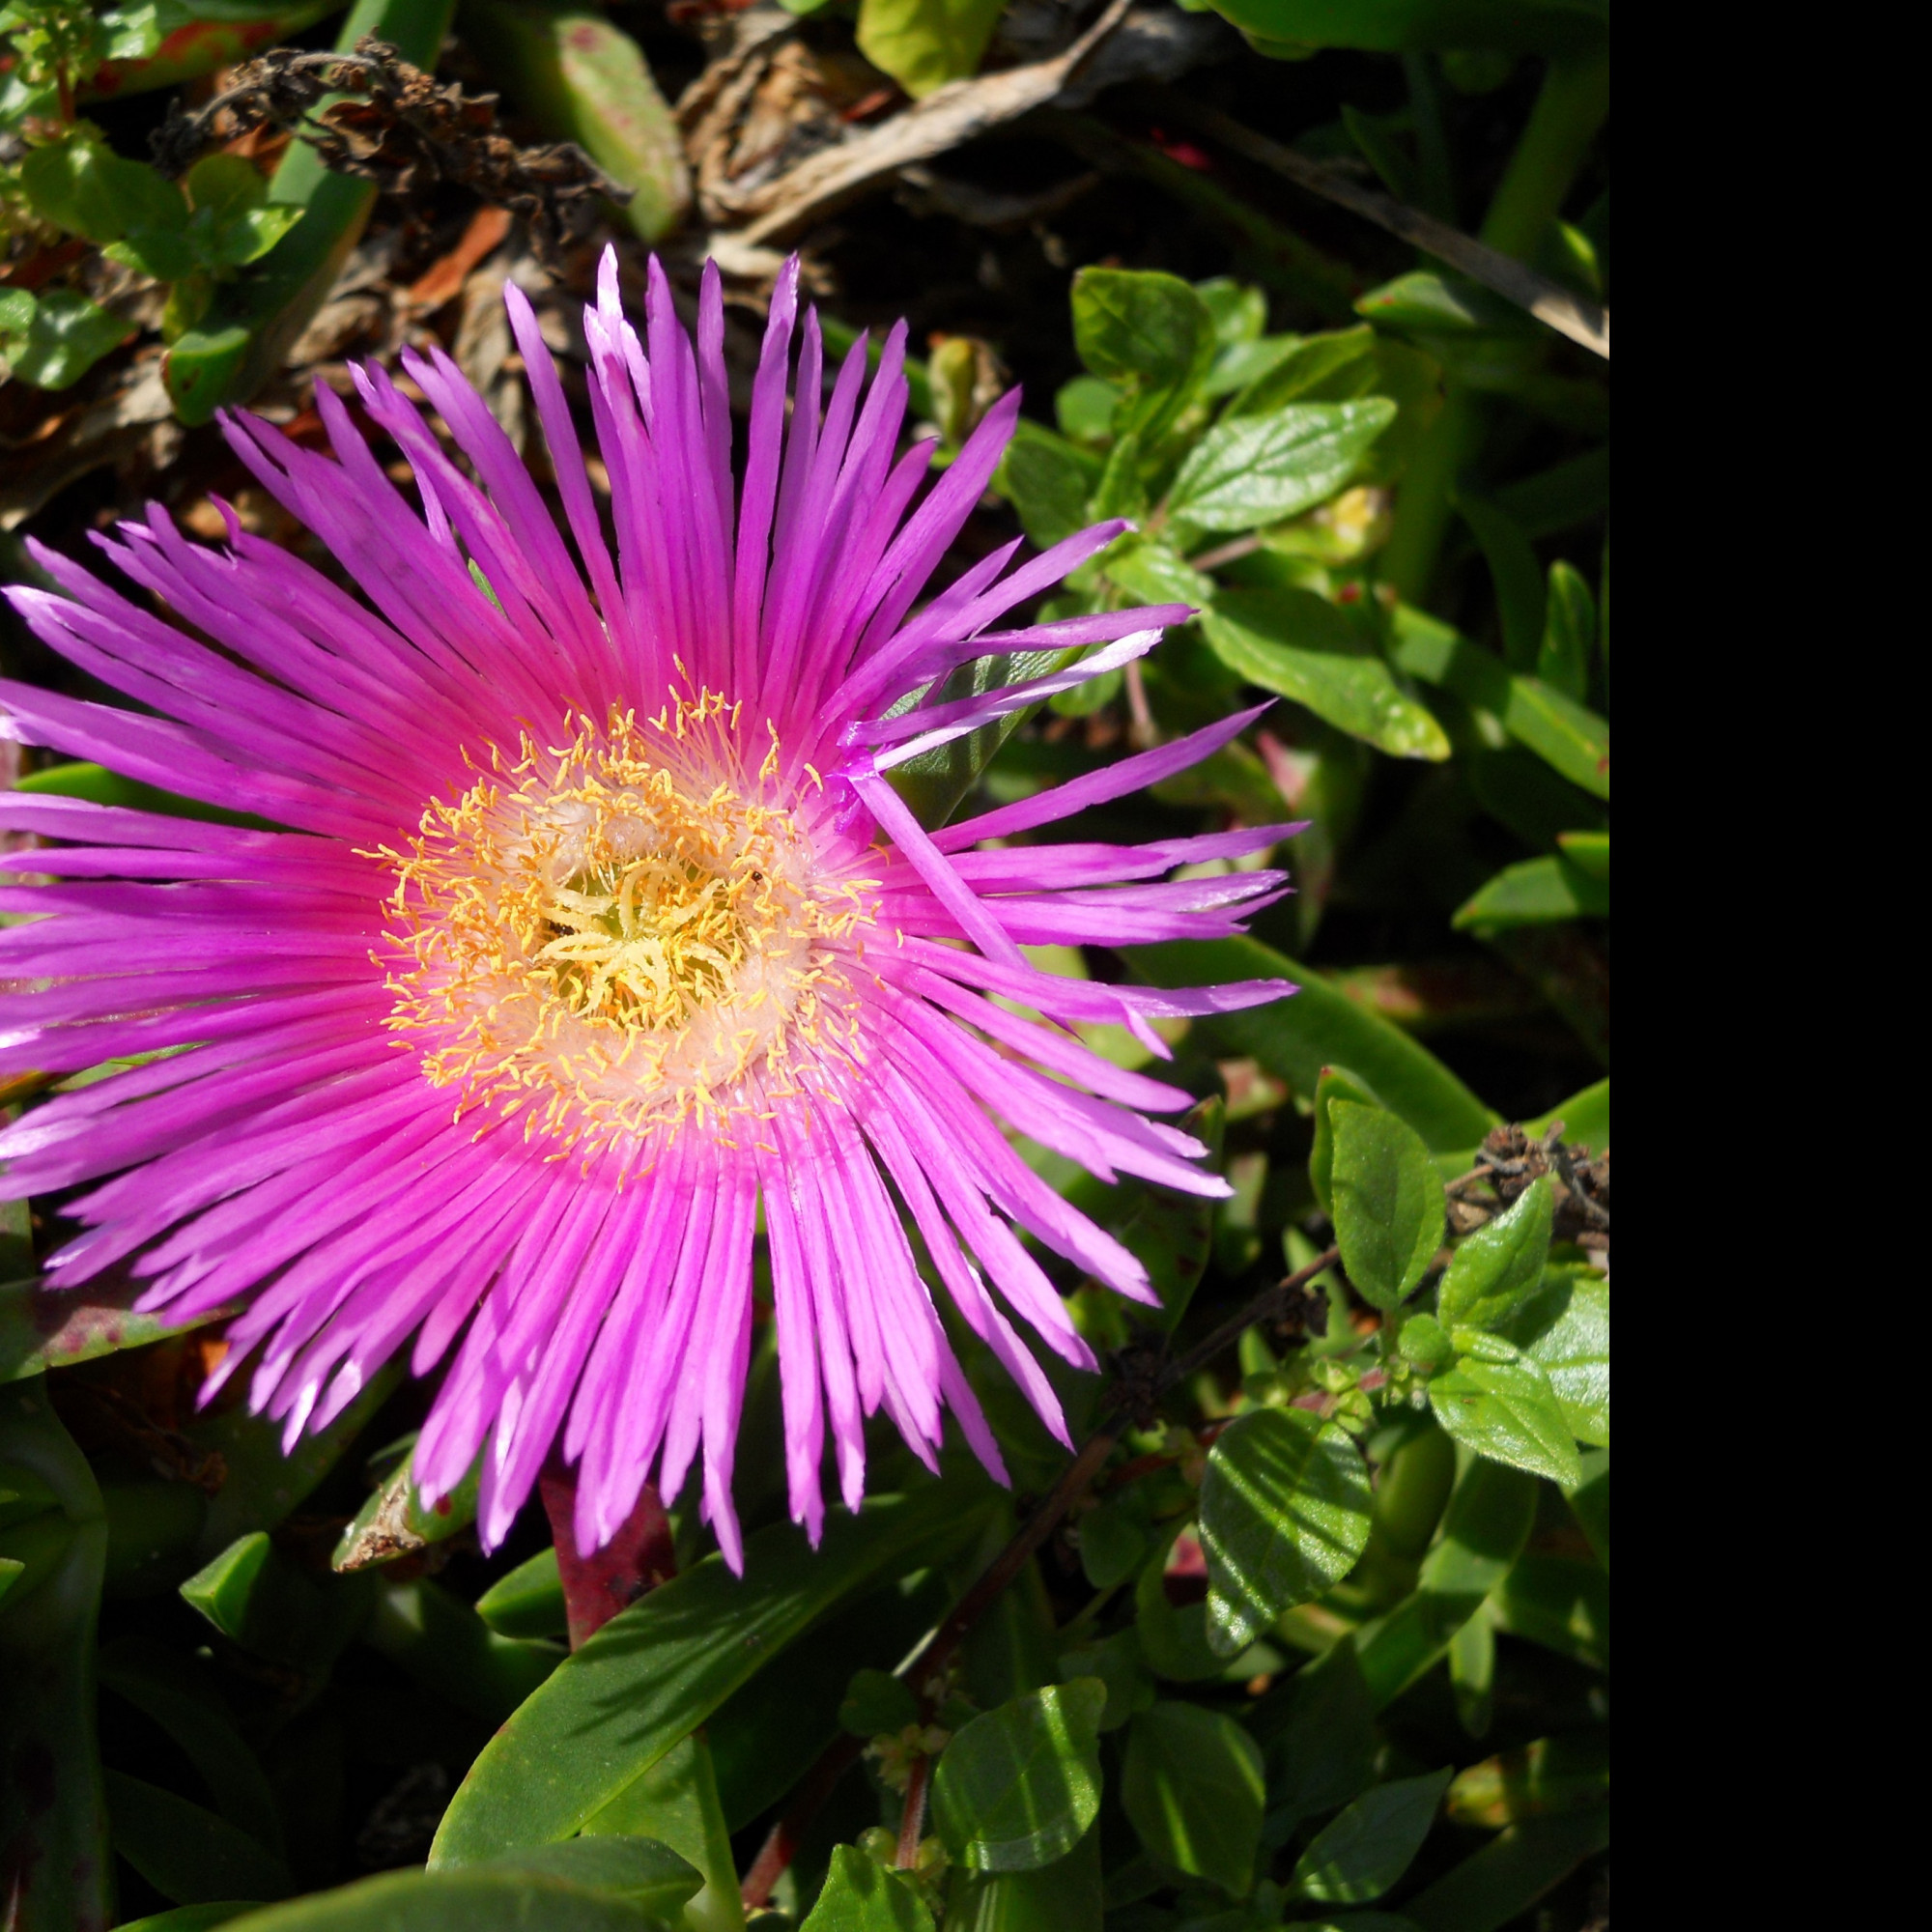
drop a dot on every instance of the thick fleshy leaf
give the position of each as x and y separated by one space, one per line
644 1872
43 1328
447 1648
675 1805
1019 1785
1498 1267
1284 1514
656 1671
528 1601
1387 1201
1516 1868
1366 1849
1263 469
1299 645
394 1523
185 1850
1193 1789
1535 892
478 1901
1387 26
1499 1402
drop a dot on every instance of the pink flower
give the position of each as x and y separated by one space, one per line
595 925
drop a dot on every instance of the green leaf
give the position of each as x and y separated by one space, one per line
924 43
1150 335
1300 645
1263 469
675 1803
393 1522
1585 1118
1535 892
1047 481
1154 573
1368 1848
44 1327
1499 1402
82 185
1565 736
1387 1202
185 1852
192 1917
167 1686
1560 1603
1336 1083
877 1702
1590 1500
1337 366
1565 1330
255 1597
644 1872
54 340
1431 303
1284 1514
1568 633
1116 1661
1516 1868
1114 1541
1083 408
478 1901
1498 1267
861 1895
1064 1896
1240 310
656 1671
99 786
1173 1637
1192 1787
232 223
1541 1780
528 1601
1319 1732
1294 1038
1409 26
1019 1785
1588 851
1518 577
583 78
447 1648
51 1817
1484 1530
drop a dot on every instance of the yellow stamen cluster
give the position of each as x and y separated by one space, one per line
612 935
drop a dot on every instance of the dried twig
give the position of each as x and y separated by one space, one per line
399 130
1582 322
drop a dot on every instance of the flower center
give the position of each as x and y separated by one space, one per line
613 935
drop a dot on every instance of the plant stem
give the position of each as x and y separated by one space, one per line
912 1821
925 1672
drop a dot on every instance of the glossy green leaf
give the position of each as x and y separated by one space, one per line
1319 1733
82 186
656 1671
1047 481
1361 1854
1535 892
1565 1330
1539 1781
1240 310
1294 1038
1590 1500
1284 1514
1083 408
1560 1603
1568 737
924 43
877 1702
1116 1661
1387 26
1498 1267
528 1601
1154 573
1588 851
1568 633
1585 1118
192 1917
583 79
861 1895
1484 1530
1300 645
52 339
1337 366
1192 1786
1499 1402
185 1850
476 1901
1387 1201
1431 303
45 1329
1064 1896
1019 1785
674 1807
1517 1867
644 1872
1336 1083
1263 469
1147 332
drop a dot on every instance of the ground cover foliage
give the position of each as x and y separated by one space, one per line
1312 1630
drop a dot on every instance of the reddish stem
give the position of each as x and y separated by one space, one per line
912 1822
597 1586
